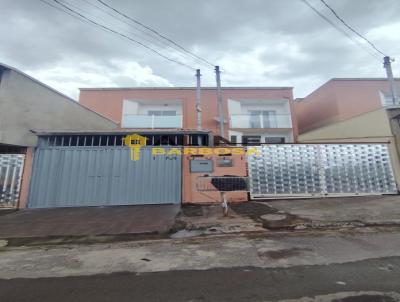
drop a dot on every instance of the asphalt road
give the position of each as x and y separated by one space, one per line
370 279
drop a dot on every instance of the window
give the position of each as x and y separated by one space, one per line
251 139
233 139
162 112
263 119
275 140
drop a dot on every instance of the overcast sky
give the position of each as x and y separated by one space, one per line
256 42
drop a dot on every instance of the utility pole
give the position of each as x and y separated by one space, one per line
219 102
198 99
387 64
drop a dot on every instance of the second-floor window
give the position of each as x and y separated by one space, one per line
162 112
262 118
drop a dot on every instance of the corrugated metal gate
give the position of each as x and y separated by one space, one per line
100 176
11 167
320 170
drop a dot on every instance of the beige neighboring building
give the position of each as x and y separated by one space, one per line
351 110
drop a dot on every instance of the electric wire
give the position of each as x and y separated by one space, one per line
341 30
64 11
160 42
119 27
121 34
351 28
156 32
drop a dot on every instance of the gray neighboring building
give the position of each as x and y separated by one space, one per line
25 105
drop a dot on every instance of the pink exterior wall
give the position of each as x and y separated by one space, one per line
338 100
108 102
26 177
190 192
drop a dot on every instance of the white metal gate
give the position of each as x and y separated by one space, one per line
315 170
11 166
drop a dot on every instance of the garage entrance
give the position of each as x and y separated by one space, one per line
317 170
96 173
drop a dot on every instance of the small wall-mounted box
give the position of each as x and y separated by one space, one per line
226 162
201 166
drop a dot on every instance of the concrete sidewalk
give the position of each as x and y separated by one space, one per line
88 221
197 220
305 249
357 211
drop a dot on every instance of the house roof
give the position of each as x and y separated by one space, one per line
339 80
40 132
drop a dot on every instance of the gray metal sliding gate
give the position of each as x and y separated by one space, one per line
98 176
11 167
320 170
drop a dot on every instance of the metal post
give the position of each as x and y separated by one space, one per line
224 203
198 99
389 73
219 102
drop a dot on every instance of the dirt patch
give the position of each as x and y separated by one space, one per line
289 223
283 253
192 210
178 225
84 240
252 209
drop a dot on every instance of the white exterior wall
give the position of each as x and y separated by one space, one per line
288 135
141 108
243 107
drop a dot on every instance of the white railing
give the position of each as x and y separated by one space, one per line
260 121
389 102
151 121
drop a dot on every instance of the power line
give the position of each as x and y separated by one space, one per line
64 11
341 30
351 28
156 32
160 42
88 13
122 35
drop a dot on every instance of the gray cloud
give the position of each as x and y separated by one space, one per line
256 42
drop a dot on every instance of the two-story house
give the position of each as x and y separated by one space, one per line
252 115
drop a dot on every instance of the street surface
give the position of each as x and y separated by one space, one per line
336 266
367 280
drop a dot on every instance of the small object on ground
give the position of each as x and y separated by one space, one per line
386 268
274 217
3 243
145 259
186 234
284 221
276 221
341 283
